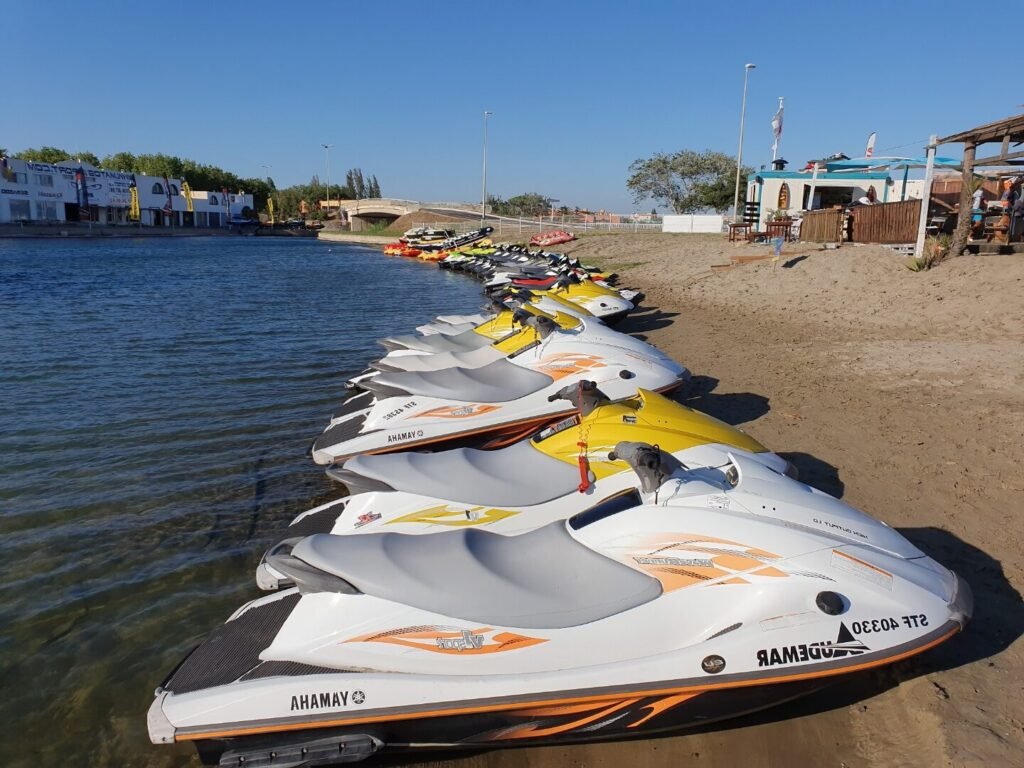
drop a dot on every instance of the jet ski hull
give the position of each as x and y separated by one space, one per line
332 713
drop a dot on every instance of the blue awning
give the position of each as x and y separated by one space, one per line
892 163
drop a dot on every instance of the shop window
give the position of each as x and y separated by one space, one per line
46 211
20 210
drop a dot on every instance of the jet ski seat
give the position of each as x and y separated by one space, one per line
543 579
476 319
519 475
473 358
437 342
498 382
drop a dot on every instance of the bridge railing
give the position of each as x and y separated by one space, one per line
505 226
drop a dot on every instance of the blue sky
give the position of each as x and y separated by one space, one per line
578 89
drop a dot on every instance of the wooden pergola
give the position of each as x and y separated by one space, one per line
1007 132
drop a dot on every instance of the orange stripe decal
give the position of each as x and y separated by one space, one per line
519 705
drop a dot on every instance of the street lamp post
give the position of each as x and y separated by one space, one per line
327 150
483 193
739 153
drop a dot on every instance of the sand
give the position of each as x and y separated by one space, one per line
901 393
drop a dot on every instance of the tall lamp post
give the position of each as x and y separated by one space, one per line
739 153
327 150
483 193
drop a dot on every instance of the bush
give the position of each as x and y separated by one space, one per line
935 250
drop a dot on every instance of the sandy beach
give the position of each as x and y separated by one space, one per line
899 392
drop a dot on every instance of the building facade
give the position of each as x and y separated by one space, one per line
788 192
52 194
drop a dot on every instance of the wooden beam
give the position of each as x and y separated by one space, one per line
964 215
999 159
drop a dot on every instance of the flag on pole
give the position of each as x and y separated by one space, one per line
168 206
186 192
134 212
870 151
777 129
82 194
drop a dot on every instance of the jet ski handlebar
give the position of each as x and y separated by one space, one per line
585 396
651 464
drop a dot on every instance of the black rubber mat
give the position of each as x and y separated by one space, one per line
286 669
318 522
355 402
339 433
232 649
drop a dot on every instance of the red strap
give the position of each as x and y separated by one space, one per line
584 468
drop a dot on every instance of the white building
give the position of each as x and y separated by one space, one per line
45 193
789 192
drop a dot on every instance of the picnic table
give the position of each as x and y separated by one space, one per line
782 228
739 231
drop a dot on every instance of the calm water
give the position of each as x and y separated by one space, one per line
156 402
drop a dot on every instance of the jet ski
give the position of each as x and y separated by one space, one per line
496 403
720 596
550 304
570 329
561 470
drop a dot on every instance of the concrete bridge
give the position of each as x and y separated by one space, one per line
364 214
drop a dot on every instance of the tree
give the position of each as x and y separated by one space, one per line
373 189
527 204
687 181
49 155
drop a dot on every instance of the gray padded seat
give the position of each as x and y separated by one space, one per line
543 579
518 476
477 319
437 342
499 382
474 358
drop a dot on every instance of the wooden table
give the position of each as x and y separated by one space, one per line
783 229
739 231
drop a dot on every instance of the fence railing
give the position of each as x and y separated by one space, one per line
889 223
824 226
507 226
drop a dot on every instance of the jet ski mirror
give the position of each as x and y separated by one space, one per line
651 464
585 396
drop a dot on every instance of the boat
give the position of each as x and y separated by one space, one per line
498 402
557 472
424 235
676 607
552 237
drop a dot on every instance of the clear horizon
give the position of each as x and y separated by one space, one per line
578 91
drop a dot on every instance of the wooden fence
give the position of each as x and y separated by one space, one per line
824 226
886 223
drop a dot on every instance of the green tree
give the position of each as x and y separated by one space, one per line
44 155
120 161
527 204
686 181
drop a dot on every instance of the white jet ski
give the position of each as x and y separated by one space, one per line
718 597
498 402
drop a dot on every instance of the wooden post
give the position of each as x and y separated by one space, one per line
926 197
963 222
